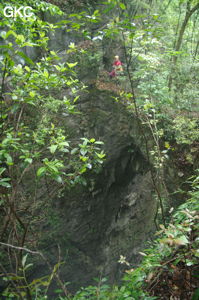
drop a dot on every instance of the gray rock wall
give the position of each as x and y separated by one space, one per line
115 217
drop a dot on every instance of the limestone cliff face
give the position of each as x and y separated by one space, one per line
114 217
94 226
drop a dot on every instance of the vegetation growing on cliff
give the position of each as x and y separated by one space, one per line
158 44
169 268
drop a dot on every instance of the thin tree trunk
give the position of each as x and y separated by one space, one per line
196 51
188 15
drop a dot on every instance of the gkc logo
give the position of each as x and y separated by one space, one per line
13 12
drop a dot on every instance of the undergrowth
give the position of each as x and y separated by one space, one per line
168 269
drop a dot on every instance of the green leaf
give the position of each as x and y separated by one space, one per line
65 150
73 151
20 39
58 291
83 152
65 144
32 94
2 170
53 148
181 240
5 34
27 68
53 53
99 143
25 57
71 65
3 182
6 47
58 178
82 170
41 171
28 160
24 260
46 74
72 46
28 266
189 263
8 159
100 155
122 6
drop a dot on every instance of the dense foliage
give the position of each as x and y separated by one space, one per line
158 44
170 264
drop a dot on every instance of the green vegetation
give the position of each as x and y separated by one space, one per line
174 251
158 42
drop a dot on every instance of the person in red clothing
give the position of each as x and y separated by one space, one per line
117 67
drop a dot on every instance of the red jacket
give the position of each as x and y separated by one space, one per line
118 65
